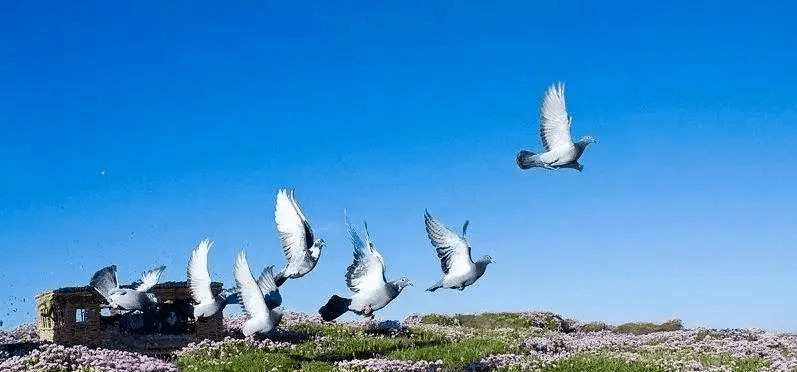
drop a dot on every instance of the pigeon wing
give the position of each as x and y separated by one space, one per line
198 275
269 288
294 232
452 249
554 121
309 236
104 280
367 272
249 295
150 278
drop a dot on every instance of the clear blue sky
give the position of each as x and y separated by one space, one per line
131 131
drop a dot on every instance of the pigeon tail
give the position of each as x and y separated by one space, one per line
206 310
334 308
435 286
280 278
524 160
259 323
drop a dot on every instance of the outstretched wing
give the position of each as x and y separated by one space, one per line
452 249
295 233
249 295
554 121
104 280
150 278
367 272
198 275
269 288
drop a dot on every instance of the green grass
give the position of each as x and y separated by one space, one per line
595 327
496 320
456 341
324 344
251 359
641 328
580 363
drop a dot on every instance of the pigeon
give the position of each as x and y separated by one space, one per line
199 281
453 250
136 298
298 241
250 295
560 151
366 278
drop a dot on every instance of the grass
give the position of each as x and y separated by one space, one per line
642 328
457 341
547 321
327 343
580 363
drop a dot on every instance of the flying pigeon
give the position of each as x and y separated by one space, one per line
261 318
105 282
366 278
555 123
199 281
459 270
298 241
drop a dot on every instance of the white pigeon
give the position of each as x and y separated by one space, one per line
555 123
136 298
199 281
298 242
366 278
453 250
251 297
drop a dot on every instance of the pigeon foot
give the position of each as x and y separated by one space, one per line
367 311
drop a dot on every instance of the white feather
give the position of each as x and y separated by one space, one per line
554 120
198 275
290 226
150 278
251 298
367 271
454 248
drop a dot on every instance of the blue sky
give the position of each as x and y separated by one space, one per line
131 131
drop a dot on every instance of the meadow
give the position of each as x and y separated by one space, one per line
432 342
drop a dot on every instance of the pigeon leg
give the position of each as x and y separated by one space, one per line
548 166
367 311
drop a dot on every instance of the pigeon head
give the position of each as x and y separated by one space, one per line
486 260
403 282
586 140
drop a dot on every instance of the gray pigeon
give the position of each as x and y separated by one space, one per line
453 250
199 281
106 283
251 296
366 278
298 241
555 123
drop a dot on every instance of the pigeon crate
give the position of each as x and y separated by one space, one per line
80 315
69 315
176 297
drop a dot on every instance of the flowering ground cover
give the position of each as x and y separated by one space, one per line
481 342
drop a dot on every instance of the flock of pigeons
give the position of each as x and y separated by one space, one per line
365 277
